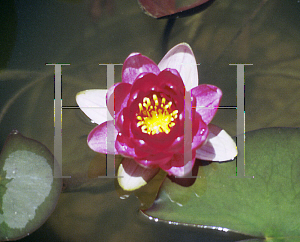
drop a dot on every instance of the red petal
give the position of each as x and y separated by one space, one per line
171 79
177 167
136 64
201 133
144 84
117 97
178 145
124 146
168 82
154 160
122 125
127 146
208 98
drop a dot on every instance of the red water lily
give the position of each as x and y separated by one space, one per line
161 117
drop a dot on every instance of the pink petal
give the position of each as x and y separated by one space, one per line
181 58
93 104
218 147
97 138
136 64
132 176
201 133
208 98
177 167
117 97
172 79
124 146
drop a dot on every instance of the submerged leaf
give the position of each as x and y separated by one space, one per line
28 190
146 194
264 206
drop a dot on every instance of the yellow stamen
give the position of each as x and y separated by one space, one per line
140 107
155 116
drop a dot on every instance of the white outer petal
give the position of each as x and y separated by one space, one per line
128 182
136 176
219 146
93 103
181 58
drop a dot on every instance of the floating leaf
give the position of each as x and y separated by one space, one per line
28 190
264 206
169 8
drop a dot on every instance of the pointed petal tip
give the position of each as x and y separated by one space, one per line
93 98
133 54
80 97
135 64
183 44
93 103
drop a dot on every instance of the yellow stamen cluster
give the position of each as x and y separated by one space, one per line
156 117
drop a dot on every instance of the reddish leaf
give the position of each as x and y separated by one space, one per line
167 8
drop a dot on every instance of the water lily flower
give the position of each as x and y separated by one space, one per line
161 118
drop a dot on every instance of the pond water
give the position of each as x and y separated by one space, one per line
85 34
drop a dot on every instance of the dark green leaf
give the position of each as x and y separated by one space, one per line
264 206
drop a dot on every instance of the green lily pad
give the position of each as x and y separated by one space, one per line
28 191
266 206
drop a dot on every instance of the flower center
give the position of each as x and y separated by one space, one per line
155 116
